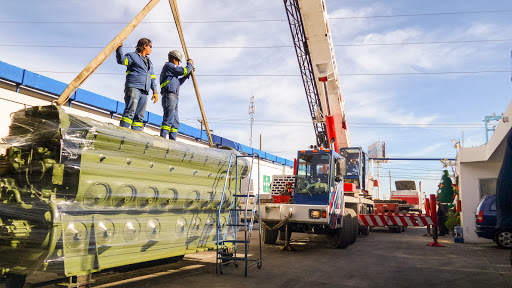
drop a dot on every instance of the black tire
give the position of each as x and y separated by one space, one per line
503 239
340 238
15 280
395 229
355 225
269 236
364 230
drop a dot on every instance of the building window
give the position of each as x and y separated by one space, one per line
487 186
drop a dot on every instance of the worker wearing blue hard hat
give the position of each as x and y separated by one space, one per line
171 78
140 78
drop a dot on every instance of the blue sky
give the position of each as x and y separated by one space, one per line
378 106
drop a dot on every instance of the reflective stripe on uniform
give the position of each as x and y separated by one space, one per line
126 61
127 120
137 124
184 71
127 72
165 83
165 127
153 76
174 130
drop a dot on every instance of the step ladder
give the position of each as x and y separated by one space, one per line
227 234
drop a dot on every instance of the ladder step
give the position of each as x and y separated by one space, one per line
242 195
235 241
230 258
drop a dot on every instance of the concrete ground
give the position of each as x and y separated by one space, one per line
382 259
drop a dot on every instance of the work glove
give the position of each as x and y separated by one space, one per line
190 61
155 98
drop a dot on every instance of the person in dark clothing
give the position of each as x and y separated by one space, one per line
441 219
171 78
140 78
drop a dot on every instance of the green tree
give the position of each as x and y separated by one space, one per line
445 191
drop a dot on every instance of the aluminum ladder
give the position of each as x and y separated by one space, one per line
227 234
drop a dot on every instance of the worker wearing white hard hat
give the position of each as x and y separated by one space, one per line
171 78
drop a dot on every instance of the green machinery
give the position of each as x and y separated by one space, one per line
78 196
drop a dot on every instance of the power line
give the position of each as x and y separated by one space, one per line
423 14
298 75
424 43
257 20
270 46
349 123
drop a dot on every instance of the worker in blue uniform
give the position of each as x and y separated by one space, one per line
171 78
140 78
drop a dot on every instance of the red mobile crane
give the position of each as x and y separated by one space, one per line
321 201
309 25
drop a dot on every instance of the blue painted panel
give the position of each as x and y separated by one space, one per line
43 83
271 157
215 139
289 163
95 100
228 143
189 130
120 107
238 146
280 160
11 73
311 199
204 136
155 119
260 153
245 149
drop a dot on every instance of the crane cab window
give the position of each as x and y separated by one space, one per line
354 165
313 173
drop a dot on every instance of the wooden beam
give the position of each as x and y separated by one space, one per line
176 15
104 54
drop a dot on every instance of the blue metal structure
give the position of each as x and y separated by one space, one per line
488 119
24 78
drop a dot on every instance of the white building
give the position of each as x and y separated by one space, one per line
478 169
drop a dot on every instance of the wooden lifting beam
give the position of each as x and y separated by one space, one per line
104 54
176 14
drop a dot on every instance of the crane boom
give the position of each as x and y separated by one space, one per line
309 26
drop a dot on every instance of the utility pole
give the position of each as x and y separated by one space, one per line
389 184
252 110
378 177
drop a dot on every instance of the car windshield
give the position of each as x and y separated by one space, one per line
313 173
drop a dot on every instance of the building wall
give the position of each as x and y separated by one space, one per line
475 163
470 173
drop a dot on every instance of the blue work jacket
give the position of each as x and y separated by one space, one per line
138 75
170 80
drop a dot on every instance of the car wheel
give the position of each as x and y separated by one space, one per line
503 239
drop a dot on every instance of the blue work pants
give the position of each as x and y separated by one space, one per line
135 100
171 121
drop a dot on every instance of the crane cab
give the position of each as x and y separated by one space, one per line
356 168
318 172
